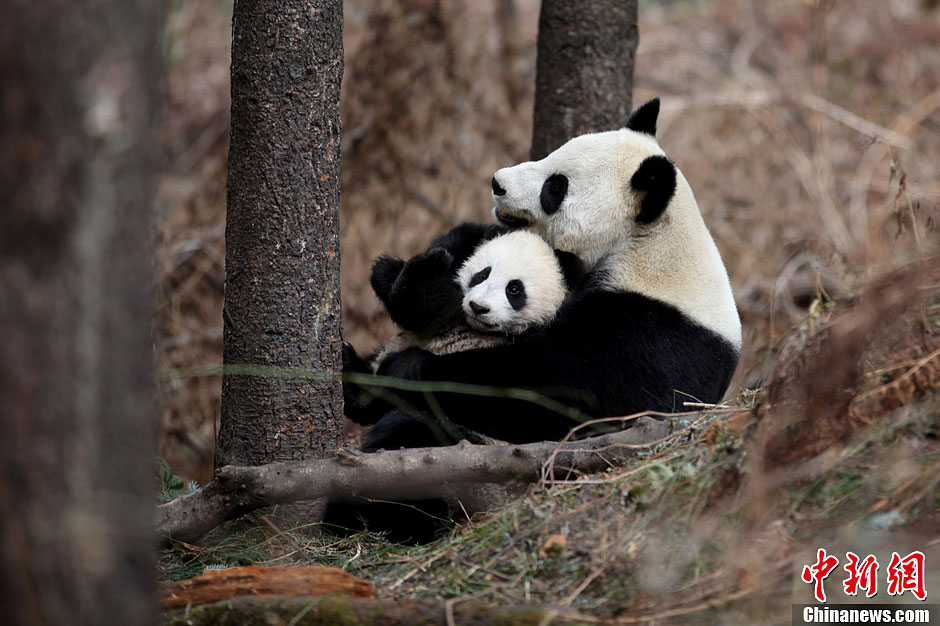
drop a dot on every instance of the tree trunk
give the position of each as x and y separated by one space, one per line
282 301
584 70
76 477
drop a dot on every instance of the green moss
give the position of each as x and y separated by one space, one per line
335 610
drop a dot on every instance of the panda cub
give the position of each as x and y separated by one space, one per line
510 284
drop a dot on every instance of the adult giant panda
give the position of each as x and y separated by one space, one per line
652 325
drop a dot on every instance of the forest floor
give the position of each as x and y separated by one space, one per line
810 133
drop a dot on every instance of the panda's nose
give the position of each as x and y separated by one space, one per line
499 191
479 309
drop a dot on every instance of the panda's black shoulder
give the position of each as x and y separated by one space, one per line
624 324
597 307
463 239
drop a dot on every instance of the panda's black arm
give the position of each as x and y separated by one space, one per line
359 404
495 415
363 402
461 240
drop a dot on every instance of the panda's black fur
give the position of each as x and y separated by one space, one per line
606 354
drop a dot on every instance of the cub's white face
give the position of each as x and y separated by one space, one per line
578 198
511 283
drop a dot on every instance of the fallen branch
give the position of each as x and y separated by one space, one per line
338 609
261 582
393 475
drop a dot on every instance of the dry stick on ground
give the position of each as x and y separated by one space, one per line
402 474
339 609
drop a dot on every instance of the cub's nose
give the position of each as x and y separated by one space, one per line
479 309
499 191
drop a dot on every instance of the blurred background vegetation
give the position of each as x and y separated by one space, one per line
809 131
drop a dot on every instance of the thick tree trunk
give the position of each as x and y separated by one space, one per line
584 69
77 87
282 301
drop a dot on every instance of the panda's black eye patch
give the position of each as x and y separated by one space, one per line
479 277
515 294
554 190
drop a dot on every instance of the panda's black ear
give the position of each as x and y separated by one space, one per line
643 120
572 268
656 180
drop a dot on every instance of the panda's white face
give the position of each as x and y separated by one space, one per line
579 197
511 283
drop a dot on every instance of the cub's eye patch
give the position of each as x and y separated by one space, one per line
515 294
554 190
479 277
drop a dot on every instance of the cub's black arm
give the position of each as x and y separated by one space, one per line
360 404
490 413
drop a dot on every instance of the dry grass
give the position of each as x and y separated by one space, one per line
696 530
810 132
710 525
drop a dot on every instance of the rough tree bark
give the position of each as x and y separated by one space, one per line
282 301
584 69
76 503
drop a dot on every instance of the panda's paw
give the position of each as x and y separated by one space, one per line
433 264
428 270
407 364
425 297
352 362
385 271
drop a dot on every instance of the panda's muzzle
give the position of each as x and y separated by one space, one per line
509 220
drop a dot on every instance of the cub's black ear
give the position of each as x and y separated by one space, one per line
572 268
385 271
656 180
643 120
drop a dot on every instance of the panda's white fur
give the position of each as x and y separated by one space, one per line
517 257
673 259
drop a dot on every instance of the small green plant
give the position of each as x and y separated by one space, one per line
168 484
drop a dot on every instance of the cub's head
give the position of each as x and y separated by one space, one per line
593 194
512 283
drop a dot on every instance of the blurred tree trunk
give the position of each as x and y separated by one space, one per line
282 301
77 91
508 20
584 69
